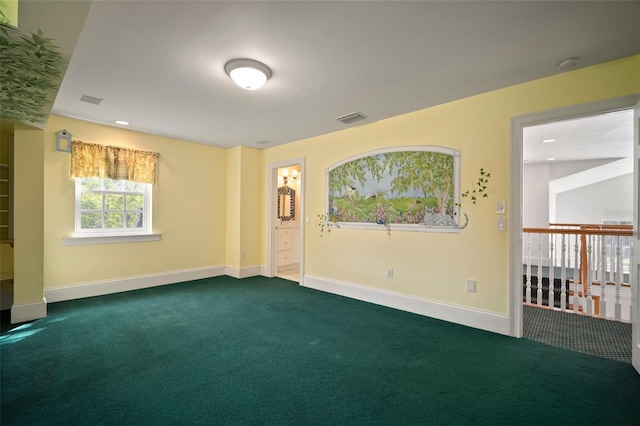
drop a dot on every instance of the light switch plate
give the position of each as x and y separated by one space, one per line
501 224
471 286
501 207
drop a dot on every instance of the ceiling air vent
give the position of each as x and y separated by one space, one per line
263 142
90 100
350 118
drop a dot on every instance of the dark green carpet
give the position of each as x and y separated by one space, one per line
266 352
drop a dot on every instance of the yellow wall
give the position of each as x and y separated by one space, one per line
188 209
6 252
430 265
29 216
244 181
252 209
233 207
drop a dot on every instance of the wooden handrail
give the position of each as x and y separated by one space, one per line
585 231
595 225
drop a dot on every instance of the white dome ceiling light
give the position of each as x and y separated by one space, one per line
247 73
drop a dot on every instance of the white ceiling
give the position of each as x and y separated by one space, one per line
604 136
159 65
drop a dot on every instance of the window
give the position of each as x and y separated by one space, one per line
106 207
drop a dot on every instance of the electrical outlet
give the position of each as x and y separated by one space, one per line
244 254
471 286
389 272
501 224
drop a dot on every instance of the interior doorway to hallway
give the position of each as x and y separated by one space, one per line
575 176
577 173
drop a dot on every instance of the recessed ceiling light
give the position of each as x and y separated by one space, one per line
247 73
551 158
122 122
548 140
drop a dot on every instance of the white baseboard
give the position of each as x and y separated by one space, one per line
117 285
245 272
264 271
476 318
28 311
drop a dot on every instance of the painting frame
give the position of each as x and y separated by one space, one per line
388 188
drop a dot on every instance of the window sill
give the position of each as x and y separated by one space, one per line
109 239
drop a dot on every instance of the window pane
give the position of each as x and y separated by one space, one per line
114 185
87 184
114 220
135 202
134 220
133 186
91 220
113 206
91 201
113 202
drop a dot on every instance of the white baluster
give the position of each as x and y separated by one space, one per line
618 305
539 292
631 287
576 275
563 275
528 290
552 261
590 257
603 276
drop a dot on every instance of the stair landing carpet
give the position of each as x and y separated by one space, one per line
596 336
265 351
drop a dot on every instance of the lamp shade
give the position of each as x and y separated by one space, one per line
247 73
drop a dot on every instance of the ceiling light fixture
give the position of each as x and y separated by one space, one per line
122 122
551 158
247 73
548 140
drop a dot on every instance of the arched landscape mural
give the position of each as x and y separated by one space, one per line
403 186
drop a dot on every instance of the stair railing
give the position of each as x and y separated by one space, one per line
590 255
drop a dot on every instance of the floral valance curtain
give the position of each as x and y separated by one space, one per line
94 160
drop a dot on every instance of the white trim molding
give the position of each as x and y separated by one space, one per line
24 312
265 271
244 272
118 285
476 318
109 239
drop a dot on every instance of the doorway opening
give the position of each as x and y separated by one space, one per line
286 220
572 169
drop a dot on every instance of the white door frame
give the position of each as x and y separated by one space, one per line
515 194
272 191
635 262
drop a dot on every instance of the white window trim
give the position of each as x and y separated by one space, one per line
106 236
108 239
